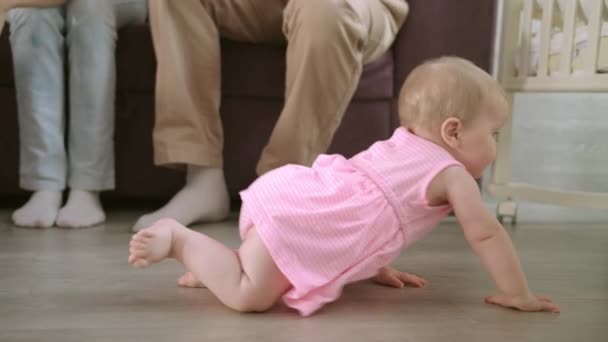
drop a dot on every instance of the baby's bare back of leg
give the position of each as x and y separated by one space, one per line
245 280
262 282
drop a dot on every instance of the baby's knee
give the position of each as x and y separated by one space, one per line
252 301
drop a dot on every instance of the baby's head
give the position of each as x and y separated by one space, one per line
455 104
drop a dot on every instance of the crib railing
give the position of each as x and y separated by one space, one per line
563 16
511 67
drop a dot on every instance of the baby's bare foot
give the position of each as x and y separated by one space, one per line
153 244
189 280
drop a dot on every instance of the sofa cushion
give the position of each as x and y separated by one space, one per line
245 68
245 73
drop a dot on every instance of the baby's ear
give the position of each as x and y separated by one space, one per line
450 131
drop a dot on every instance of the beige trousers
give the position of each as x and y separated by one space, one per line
329 41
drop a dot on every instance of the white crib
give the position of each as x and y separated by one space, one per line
546 46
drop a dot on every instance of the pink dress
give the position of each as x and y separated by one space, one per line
341 220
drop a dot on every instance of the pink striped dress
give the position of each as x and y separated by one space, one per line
341 220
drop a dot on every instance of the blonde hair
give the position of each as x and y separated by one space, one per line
447 87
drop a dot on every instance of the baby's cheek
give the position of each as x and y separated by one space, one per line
492 150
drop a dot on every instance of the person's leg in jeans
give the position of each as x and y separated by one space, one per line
188 128
6 5
91 41
37 46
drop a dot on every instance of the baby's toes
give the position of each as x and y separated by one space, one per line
138 251
132 259
145 234
136 244
184 281
140 263
189 280
140 237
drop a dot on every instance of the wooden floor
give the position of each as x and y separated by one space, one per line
59 285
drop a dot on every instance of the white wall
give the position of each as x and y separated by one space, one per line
561 140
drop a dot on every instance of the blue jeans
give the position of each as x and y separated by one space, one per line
87 28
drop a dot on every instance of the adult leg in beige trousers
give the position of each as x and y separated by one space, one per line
329 42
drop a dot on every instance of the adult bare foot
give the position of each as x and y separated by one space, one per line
204 198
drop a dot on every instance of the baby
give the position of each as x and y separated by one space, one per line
309 231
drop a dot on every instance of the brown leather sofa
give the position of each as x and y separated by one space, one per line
253 87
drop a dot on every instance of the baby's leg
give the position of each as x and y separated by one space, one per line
188 279
245 280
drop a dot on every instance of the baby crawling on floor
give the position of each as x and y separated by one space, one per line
309 231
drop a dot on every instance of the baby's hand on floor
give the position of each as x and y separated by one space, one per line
528 303
389 276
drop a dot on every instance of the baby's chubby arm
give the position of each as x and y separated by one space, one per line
491 243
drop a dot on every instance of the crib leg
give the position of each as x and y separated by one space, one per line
507 210
501 170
